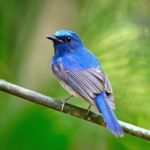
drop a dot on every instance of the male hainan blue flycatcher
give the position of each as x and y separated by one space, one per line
80 73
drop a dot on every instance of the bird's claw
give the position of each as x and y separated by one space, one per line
88 110
64 102
87 113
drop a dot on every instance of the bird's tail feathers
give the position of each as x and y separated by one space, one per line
108 114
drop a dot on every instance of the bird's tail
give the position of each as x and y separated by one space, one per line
108 114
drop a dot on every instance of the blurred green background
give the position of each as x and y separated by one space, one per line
117 31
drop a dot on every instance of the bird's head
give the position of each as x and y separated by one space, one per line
66 41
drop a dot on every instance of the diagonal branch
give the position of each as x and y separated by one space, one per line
69 109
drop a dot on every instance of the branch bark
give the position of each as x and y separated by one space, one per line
68 108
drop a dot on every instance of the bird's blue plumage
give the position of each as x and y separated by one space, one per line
79 71
78 60
108 114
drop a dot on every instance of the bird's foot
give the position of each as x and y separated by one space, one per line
64 102
88 110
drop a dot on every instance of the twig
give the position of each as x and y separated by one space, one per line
68 108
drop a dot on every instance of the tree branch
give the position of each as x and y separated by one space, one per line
68 108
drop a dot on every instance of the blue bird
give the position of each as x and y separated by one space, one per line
80 73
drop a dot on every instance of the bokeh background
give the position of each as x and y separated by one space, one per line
117 31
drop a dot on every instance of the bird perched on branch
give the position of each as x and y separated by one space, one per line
80 73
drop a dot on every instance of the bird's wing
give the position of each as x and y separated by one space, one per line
88 83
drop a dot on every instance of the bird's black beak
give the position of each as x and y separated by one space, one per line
54 38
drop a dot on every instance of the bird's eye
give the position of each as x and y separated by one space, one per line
68 39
